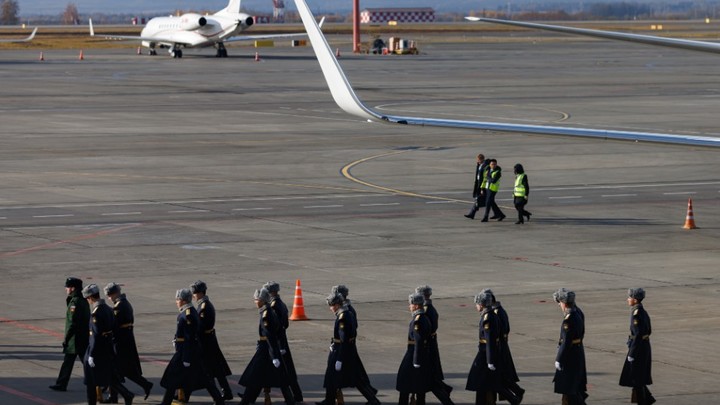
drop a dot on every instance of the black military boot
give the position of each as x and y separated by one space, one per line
124 392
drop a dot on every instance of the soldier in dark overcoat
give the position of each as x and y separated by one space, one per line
637 369
487 373
417 373
128 359
281 310
266 368
510 377
213 359
434 317
75 342
185 372
342 366
570 372
99 364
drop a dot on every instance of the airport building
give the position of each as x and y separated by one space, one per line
400 15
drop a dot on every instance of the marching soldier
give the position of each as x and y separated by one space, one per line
510 376
281 310
266 368
215 364
417 372
432 314
128 359
488 370
636 372
185 371
99 365
570 373
75 342
342 366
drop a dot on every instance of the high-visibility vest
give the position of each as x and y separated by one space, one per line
519 190
494 187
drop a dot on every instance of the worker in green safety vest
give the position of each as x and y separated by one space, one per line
492 182
521 193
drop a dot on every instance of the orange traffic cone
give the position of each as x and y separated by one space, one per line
42 57
298 311
81 56
337 52
257 57
690 218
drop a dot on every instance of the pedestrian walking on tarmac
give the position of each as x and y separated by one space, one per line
128 359
510 377
281 310
493 172
521 193
432 314
479 188
75 342
570 371
637 370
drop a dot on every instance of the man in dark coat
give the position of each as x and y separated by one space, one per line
432 314
213 359
417 372
76 331
479 186
637 370
281 310
185 371
266 368
342 365
99 364
510 377
570 372
128 359
487 372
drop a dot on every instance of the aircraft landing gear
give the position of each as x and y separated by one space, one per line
153 52
221 51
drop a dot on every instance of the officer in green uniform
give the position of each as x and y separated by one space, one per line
76 331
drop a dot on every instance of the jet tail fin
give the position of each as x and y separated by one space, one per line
233 7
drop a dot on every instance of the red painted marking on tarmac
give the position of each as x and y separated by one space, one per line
25 395
32 328
66 241
153 360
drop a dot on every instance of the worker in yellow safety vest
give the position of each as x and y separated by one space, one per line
521 193
492 182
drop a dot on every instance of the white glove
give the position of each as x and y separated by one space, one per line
186 364
491 367
283 351
173 342
416 365
91 362
631 359
276 363
558 367
338 365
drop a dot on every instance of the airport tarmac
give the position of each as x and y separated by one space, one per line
153 173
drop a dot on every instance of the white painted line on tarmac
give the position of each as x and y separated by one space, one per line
618 195
3 217
565 197
252 209
378 205
122 213
681 192
439 202
323 206
54 216
186 211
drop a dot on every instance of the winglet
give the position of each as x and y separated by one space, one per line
30 38
339 85
92 31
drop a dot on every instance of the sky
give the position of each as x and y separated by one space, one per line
54 7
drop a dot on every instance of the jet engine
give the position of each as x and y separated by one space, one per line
192 21
248 21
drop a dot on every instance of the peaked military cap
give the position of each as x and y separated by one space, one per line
73 282
183 295
425 290
340 289
112 288
90 290
637 293
564 295
272 286
198 287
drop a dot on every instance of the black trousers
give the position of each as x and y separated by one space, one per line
490 203
520 203
66 369
479 202
251 393
364 387
642 396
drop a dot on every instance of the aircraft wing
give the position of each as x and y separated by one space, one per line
345 97
28 39
701 46
238 38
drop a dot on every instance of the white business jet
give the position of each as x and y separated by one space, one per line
193 30
690 44
28 39
345 97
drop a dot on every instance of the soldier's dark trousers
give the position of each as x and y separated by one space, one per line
363 387
207 382
641 395
440 390
573 399
66 369
251 394
485 398
404 398
137 379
